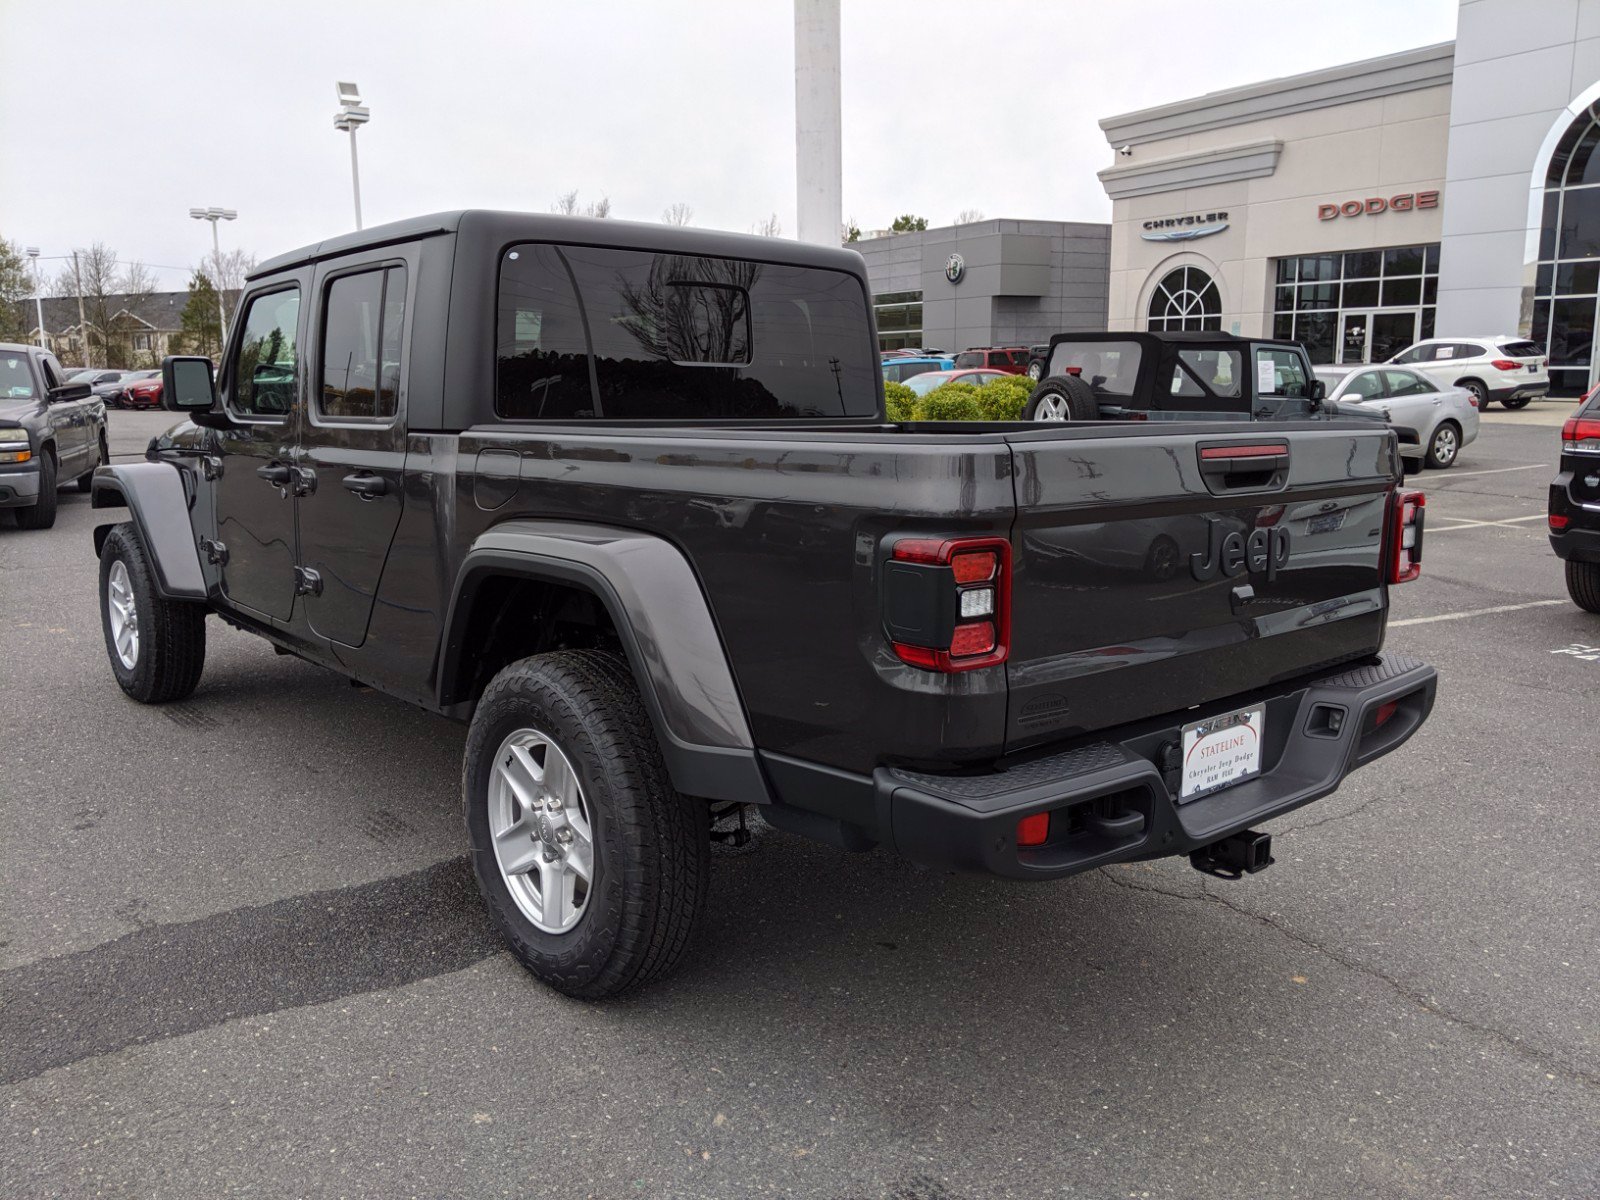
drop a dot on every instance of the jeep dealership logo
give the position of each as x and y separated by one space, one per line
954 268
1373 205
1263 552
1184 229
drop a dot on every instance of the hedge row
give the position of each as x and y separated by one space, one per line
1002 400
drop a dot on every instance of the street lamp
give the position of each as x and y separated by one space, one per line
38 304
351 115
214 215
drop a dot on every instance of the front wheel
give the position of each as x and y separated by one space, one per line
594 869
1583 585
41 514
1444 445
157 647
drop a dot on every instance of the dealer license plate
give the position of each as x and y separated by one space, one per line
1221 751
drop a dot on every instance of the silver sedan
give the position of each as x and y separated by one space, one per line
1433 422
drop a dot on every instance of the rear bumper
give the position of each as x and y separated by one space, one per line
19 485
1521 391
1111 801
1580 540
1577 543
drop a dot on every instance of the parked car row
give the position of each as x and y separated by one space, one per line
1433 423
899 366
122 389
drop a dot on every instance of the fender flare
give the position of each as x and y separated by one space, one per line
153 492
667 631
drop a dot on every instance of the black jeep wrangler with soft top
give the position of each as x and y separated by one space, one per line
625 499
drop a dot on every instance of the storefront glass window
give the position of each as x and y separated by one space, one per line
1186 299
1567 278
1384 302
899 318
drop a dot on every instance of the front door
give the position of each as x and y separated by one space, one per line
1353 331
254 492
352 445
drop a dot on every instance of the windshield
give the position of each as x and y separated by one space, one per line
16 381
927 381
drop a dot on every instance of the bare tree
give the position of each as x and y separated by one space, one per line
679 214
567 205
92 274
968 216
135 285
771 227
228 271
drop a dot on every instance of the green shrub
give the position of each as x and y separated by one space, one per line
1004 399
950 402
900 400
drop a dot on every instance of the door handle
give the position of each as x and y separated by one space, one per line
365 485
277 474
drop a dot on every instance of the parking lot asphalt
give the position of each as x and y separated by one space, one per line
241 952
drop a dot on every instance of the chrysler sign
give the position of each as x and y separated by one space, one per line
1184 229
1373 205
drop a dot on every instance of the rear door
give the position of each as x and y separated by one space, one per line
350 462
1156 571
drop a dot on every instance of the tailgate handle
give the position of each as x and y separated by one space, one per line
1236 466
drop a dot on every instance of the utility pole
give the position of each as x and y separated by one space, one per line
83 325
38 303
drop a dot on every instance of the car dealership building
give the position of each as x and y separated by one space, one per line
1448 190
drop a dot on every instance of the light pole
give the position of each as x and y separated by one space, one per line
351 115
214 215
38 304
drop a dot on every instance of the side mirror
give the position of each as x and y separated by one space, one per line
70 391
1319 390
186 384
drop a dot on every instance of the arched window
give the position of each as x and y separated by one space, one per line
1186 299
1567 282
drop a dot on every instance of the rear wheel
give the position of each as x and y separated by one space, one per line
41 514
1479 393
1062 398
1444 445
157 647
594 869
1583 585
1035 370
1518 402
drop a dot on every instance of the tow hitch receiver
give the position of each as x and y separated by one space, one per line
1235 856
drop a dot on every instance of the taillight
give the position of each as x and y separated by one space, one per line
1033 830
1505 364
1559 521
947 602
1581 433
1405 550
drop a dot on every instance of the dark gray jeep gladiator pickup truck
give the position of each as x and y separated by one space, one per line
625 499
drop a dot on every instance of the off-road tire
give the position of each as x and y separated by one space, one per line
41 514
651 845
1076 397
172 633
1583 585
103 456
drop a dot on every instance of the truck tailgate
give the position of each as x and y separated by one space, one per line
1154 572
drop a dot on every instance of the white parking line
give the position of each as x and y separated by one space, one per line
1477 612
1508 522
1495 471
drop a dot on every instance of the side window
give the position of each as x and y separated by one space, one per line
1407 383
668 336
1470 350
1416 354
264 366
362 322
51 370
969 358
1368 384
1280 373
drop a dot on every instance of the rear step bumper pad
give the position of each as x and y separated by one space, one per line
1110 800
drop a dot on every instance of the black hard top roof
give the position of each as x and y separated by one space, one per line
1210 337
504 228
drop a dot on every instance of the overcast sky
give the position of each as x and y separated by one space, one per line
118 117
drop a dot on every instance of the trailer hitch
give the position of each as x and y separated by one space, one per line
1235 856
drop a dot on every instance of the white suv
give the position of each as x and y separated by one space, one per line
1508 369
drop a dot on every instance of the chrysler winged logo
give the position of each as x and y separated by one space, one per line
1263 552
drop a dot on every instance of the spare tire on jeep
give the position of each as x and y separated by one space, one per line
1062 398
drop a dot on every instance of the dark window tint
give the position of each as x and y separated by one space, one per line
1577 278
1019 358
668 336
1319 266
1361 294
1417 354
1283 326
1406 260
969 358
1319 295
264 366
1572 333
1286 270
1407 383
1363 264
1520 349
1402 292
900 372
1580 224
1315 331
361 328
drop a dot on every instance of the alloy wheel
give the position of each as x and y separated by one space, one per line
1052 407
124 614
543 834
1445 445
